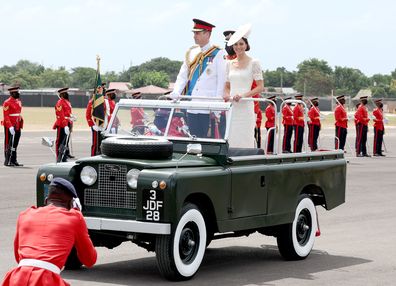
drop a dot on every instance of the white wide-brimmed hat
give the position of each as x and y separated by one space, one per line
242 32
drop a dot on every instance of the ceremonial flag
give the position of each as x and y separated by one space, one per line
98 104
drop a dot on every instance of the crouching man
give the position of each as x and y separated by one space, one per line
46 235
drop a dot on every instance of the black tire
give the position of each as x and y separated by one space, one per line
137 148
295 240
72 262
180 254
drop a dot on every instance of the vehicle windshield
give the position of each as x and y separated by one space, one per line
164 118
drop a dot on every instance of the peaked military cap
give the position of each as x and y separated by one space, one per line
298 95
137 94
271 96
14 88
363 97
110 91
378 100
287 97
63 90
64 185
200 26
342 96
315 99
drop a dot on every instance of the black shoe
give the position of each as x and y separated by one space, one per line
359 155
366 155
379 155
16 164
70 156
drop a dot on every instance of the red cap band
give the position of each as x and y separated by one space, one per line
200 26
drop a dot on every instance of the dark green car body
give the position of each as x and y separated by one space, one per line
236 194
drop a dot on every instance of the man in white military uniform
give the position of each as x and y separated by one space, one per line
202 74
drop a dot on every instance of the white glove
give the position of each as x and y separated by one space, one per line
113 130
154 129
95 128
76 204
174 95
73 117
12 130
67 130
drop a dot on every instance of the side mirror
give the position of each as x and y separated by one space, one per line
47 142
194 149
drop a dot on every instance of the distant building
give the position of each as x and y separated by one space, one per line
149 91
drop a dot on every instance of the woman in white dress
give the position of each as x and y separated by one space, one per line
240 74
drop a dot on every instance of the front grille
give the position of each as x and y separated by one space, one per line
112 189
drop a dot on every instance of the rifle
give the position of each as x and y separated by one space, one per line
9 150
62 149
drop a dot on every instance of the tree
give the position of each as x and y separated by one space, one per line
378 92
349 80
144 78
110 76
314 77
55 78
83 78
279 77
381 80
171 68
29 67
394 74
25 80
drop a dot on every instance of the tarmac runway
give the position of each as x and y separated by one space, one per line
357 245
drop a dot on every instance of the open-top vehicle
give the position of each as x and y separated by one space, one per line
158 185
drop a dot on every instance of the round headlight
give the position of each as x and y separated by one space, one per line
132 177
88 175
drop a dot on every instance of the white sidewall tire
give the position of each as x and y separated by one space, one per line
188 270
303 251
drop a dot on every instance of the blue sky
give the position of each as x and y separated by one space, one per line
359 34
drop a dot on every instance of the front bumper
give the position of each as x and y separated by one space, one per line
96 223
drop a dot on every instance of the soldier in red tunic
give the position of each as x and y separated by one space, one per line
298 116
314 124
63 123
341 123
46 235
287 121
270 123
96 130
362 120
111 96
13 124
379 129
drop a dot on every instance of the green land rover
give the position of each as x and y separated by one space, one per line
165 189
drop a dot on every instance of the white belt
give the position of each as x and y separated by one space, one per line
14 114
40 264
63 117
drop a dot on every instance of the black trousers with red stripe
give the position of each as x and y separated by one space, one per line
298 138
270 138
361 142
61 144
341 134
313 136
96 141
257 136
11 145
287 135
378 139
